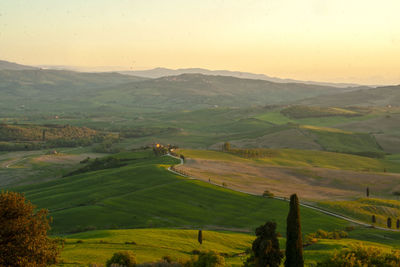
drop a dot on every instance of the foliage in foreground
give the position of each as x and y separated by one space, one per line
360 256
266 251
123 258
23 233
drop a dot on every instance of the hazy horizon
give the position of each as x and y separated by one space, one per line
341 41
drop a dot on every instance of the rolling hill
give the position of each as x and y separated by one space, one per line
197 91
144 194
39 89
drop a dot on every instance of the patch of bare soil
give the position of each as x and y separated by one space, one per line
313 184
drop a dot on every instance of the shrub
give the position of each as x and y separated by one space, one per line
267 194
123 258
359 256
206 259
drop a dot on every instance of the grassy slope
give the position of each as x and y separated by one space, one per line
144 194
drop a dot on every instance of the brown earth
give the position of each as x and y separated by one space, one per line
313 184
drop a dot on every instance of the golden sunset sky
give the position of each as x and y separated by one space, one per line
323 40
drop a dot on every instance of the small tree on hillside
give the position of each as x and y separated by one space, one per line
294 243
23 233
367 192
389 222
398 224
373 219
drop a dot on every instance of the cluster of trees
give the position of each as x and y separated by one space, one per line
33 137
301 112
249 153
98 164
146 131
30 132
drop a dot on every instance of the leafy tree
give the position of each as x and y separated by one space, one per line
23 233
123 258
265 247
294 243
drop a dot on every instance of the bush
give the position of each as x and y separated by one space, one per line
312 238
268 194
123 258
359 256
206 259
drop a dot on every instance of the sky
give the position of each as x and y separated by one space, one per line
354 41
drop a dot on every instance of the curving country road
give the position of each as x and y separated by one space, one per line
287 200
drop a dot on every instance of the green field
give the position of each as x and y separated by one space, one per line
152 244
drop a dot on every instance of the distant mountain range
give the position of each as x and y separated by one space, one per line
162 72
60 90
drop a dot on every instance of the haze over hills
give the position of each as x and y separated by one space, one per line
5 65
380 96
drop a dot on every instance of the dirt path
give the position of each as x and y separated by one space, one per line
285 199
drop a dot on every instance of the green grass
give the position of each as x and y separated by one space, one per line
144 194
153 244
345 142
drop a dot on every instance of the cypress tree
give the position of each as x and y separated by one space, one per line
200 237
367 192
373 219
398 224
389 222
294 243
